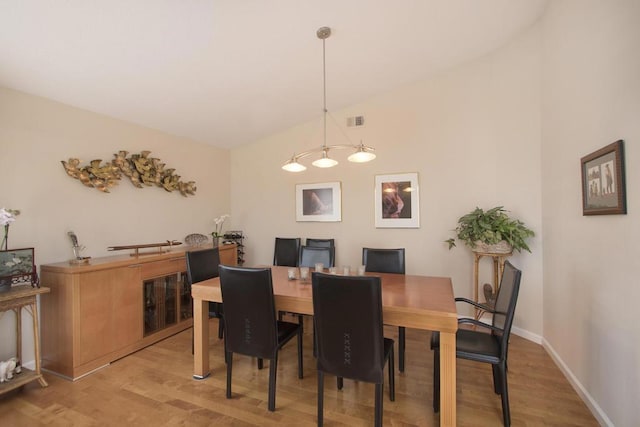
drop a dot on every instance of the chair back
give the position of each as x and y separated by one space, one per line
348 326
286 251
250 314
202 265
505 306
322 243
310 255
383 260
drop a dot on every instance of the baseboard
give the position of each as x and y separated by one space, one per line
588 400
593 406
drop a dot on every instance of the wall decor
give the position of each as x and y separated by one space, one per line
142 171
603 181
17 267
320 202
397 201
156 248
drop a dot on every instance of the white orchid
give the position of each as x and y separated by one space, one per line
219 221
7 216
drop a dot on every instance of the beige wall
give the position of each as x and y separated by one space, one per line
473 136
36 134
591 82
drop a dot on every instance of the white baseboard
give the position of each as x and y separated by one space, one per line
588 400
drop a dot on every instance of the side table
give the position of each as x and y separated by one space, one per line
19 297
498 267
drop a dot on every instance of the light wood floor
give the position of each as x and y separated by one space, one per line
154 387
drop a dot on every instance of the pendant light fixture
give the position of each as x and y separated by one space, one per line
361 154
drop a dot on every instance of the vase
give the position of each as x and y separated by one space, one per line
216 241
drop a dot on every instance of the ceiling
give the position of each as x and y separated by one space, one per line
229 72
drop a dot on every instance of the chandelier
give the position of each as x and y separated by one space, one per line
361 153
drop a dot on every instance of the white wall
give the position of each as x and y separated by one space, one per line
473 136
591 97
36 134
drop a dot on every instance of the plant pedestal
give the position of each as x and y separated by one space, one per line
498 267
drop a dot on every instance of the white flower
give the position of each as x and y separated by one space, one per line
7 216
219 221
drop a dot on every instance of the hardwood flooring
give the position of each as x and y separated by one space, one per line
154 387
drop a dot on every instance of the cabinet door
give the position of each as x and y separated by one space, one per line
125 306
109 305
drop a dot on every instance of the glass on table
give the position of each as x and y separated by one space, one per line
291 273
346 270
319 267
333 270
304 273
361 270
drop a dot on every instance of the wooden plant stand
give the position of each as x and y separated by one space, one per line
498 267
19 297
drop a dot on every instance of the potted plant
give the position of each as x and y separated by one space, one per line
491 231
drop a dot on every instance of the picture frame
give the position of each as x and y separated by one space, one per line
18 266
603 181
319 202
397 201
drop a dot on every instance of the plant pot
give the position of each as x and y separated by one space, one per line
501 247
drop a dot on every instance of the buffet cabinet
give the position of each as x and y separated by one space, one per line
110 307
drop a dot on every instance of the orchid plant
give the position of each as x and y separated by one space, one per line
7 216
219 221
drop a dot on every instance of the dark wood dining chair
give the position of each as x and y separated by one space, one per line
387 261
485 343
349 334
202 265
251 327
286 251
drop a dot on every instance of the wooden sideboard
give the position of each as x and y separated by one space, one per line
113 306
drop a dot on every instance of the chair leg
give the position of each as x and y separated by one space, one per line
506 413
260 363
496 379
378 416
401 345
320 397
392 378
300 367
220 327
229 359
273 367
436 380
340 382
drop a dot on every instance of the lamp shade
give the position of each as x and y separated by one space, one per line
361 156
293 166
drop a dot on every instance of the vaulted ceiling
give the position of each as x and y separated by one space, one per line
228 72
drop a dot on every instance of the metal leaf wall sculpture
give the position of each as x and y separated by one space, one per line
142 171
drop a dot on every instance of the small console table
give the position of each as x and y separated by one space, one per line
498 267
19 297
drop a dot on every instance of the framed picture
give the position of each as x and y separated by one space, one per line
603 186
397 201
18 266
319 202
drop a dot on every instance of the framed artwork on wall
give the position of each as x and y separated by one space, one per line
319 202
603 183
397 201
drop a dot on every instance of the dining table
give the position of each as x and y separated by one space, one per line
412 301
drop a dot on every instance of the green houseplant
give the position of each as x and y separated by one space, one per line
491 231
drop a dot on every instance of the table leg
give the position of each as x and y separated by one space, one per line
201 339
447 379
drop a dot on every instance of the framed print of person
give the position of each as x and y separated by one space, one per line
318 202
603 181
397 201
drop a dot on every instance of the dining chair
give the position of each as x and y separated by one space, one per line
322 243
349 334
203 265
251 327
478 345
286 251
387 261
310 255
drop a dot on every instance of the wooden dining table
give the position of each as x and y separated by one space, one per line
420 302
